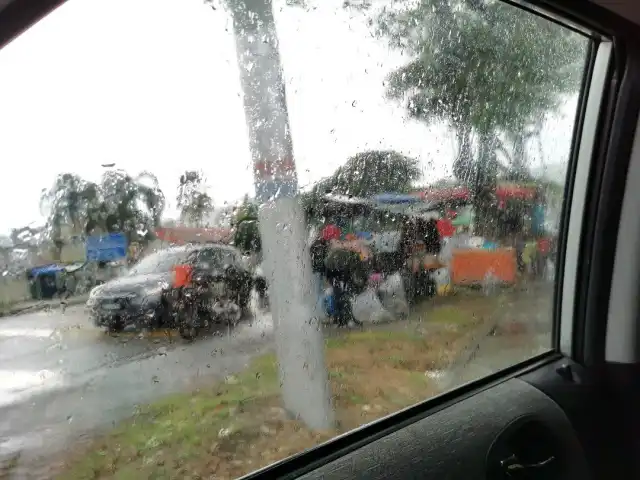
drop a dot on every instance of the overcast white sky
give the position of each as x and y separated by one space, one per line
153 85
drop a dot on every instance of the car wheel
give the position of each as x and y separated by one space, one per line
188 323
188 332
116 325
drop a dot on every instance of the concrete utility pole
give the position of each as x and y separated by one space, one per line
287 263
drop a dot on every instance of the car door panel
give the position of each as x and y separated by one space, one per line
461 434
589 404
449 439
456 441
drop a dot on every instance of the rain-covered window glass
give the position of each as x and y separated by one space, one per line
158 262
216 257
386 178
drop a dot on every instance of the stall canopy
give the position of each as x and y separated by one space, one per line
504 191
395 198
182 235
46 270
464 217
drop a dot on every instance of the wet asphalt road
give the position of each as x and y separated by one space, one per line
61 377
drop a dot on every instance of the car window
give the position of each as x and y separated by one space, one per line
170 125
159 262
215 258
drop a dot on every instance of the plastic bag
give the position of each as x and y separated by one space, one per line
446 252
442 279
490 283
393 295
329 302
366 308
550 271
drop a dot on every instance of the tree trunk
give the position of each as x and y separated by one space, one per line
58 245
485 184
518 168
293 287
463 163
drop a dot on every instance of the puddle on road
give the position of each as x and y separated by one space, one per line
16 385
15 444
26 332
435 374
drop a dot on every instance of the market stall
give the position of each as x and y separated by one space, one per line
518 217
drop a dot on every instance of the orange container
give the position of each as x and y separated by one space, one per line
469 267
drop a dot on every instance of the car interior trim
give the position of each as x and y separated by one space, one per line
576 209
622 322
341 445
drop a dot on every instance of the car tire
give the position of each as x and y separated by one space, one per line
188 332
116 326
187 324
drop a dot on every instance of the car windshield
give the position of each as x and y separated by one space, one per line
299 136
159 262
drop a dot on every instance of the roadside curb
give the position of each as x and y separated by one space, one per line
44 305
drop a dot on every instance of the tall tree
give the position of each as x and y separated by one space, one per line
299 344
245 224
67 206
119 203
193 200
372 172
486 69
132 205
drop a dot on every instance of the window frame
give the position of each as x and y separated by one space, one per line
578 338
575 199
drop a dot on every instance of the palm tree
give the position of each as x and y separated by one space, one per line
275 176
193 200
486 69
372 172
132 205
67 205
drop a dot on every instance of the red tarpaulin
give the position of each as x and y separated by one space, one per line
181 235
446 194
445 227
503 192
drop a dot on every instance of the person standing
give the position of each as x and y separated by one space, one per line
543 251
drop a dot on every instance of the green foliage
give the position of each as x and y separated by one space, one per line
372 172
484 67
193 200
247 210
119 203
245 223
66 203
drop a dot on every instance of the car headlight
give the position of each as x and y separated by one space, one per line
94 291
92 295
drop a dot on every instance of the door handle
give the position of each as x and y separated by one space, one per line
514 468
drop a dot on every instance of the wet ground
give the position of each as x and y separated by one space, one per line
61 377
